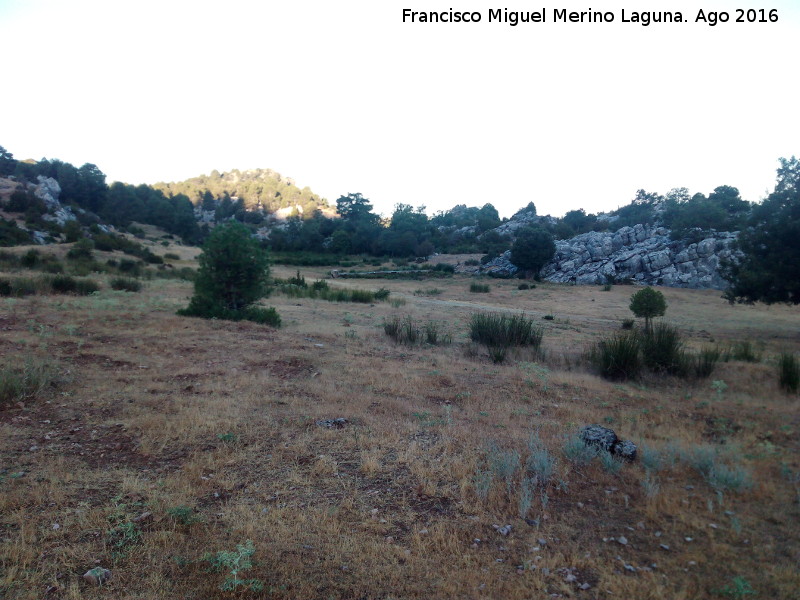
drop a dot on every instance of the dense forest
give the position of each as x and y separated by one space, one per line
289 219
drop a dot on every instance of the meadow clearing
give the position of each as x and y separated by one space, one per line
191 457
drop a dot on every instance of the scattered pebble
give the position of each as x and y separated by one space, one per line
630 568
622 540
658 534
423 531
584 586
688 539
97 576
713 526
664 547
56 526
570 578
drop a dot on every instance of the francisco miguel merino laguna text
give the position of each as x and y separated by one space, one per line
562 15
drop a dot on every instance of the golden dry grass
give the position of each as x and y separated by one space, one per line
154 412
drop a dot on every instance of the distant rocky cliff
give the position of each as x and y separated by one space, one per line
640 254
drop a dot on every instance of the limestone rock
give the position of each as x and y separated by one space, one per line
641 254
97 576
605 440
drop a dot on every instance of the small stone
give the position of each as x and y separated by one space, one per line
713 526
658 534
640 525
56 526
423 531
145 517
729 513
688 539
663 546
584 586
570 578
542 542
97 576
630 568
505 530
532 522
477 540
689 487
622 540
692 563
580 504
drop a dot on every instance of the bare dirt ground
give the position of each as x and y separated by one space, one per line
165 439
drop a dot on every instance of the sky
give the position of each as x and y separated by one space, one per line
344 97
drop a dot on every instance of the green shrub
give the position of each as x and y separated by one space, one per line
234 563
320 285
362 296
577 451
496 330
81 250
264 316
606 288
540 465
662 350
86 286
24 382
549 317
617 357
628 324
126 284
472 262
233 275
403 331
648 303
706 361
63 284
526 286
381 294
743 350
31 259
479 288
297 280
789 372
171 256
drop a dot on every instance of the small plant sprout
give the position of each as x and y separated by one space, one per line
719 386
234 562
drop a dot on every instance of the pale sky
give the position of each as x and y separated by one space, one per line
343 97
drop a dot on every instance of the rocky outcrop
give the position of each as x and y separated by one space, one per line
643 255
48 190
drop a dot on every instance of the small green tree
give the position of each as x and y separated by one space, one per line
533 248
233 275
648 303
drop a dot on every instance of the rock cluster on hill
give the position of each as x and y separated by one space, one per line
641 254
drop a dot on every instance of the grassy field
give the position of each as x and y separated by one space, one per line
186 456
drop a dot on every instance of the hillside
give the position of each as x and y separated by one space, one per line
258 191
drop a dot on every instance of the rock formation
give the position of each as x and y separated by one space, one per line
640 254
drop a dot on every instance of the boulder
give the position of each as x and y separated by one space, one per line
605 440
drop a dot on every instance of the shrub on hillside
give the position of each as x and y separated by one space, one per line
504 331
648 303
617 357
126 284
789 372
479 288
233 275
662 349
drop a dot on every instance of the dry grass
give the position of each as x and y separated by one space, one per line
216 422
